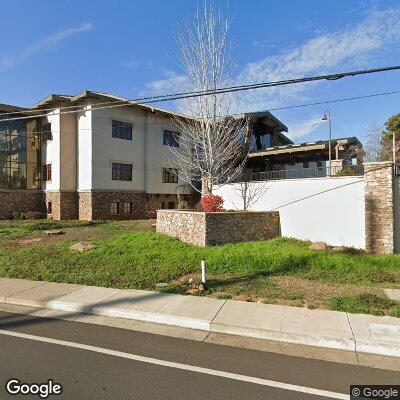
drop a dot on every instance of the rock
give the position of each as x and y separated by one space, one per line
190 281
161 285
318 246
29 241
53 232
201 287
83 246
338 249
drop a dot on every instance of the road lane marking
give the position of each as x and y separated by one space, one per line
186 367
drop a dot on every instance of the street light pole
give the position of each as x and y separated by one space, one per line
327 117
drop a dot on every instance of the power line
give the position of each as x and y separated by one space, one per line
134 123
190 94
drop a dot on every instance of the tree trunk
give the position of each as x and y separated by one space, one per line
205 190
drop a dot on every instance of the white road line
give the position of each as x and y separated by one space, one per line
186 367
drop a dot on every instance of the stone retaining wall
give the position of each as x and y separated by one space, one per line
203 229
21 201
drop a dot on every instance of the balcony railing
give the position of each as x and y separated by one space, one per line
350 170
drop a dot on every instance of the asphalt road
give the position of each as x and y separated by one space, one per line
113 368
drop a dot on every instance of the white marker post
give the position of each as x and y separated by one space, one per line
203 272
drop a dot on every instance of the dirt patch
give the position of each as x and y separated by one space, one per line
282 290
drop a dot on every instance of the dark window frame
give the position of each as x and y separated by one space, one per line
46 173
114 211
121 130
129 211
46 132
170 175
122 172
171 138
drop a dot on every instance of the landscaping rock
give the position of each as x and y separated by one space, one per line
318 246
161 285
83 246
53 232
29 241
190 281
338 249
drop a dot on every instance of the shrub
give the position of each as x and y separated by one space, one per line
34 215
182 205
212 203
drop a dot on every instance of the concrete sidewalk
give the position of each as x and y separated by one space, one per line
321 328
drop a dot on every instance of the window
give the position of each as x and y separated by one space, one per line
170 175
121 130
121 172
306 164
114 207
46 132
171 139
165 205
46 172
128 208
49 207
319 164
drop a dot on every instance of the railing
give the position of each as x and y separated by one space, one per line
351 170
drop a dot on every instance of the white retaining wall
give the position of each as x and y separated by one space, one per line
330 210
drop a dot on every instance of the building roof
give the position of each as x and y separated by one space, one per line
10 108
303 147
87 94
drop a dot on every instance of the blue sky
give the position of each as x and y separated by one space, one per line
127 48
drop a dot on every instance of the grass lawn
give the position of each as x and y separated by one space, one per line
131 255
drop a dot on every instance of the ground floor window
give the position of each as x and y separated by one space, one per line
114 207
165 205
170 175
49 207
128 208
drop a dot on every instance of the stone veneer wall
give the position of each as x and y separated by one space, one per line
381 207
96 205
203 229
20 200
64 205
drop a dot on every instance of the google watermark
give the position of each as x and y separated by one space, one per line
42 390
375 392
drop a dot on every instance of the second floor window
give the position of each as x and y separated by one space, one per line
46 172
170 175
171 139
121 172
121 130
46 132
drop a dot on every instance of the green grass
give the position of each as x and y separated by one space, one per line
366 304
140 259
16 228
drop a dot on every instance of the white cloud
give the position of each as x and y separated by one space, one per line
44 45
171 81
324 53
352 46
305 128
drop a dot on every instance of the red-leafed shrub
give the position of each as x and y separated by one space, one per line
212 203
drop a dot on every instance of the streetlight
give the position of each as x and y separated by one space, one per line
327 117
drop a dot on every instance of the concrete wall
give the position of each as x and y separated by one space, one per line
317 209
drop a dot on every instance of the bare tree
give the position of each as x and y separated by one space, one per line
250 192
378 146
213 146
